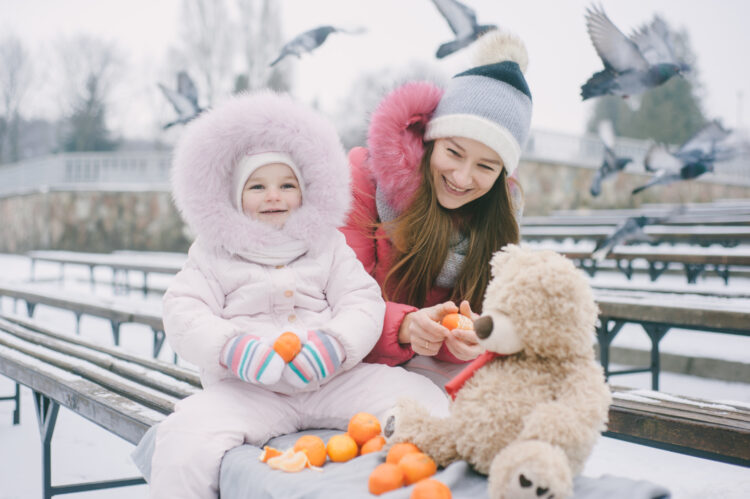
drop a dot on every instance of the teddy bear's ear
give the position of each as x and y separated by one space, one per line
501 257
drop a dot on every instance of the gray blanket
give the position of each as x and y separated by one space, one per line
243 476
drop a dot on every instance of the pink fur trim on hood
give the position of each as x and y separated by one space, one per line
264 121
395 140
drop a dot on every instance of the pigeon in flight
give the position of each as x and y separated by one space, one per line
693 158
611 164
310 40
463 22
631 65
184 100
629 230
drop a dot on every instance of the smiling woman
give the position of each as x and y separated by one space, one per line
434 199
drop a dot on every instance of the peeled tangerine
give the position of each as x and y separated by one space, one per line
458 321
290 461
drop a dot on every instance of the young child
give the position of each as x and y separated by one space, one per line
264 183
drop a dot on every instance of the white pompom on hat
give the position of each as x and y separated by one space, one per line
251 162
490 103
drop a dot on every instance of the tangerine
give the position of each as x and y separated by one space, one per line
430 489
362 427
385 477
268 453
399 450
341 448
287 345
416 466
373 445
314 447
458 321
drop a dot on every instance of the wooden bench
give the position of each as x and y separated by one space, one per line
726 235
144 262
117 311
659 312
123 393
695 261
127 395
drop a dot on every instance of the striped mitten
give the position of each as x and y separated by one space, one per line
321 356
252 360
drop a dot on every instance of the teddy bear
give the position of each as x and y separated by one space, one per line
528 411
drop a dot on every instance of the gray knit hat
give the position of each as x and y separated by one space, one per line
490 103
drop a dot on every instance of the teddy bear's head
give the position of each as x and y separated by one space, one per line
537 302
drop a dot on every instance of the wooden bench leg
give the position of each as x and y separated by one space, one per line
46 412
17 399
30 308
78 322
588 265
145 283
693 271
625 269
605 334
158 341
656 332
723 272
655 269
116 332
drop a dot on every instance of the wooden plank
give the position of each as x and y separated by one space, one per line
689 234
614 220
132 372
176 372
681 427
133 391
115 413
159 264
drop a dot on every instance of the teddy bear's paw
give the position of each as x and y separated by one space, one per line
530 487
530 469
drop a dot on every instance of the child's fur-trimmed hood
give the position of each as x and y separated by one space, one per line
252 123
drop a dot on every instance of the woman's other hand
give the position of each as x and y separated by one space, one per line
462 343
422 329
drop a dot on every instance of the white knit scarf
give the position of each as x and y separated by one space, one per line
279 254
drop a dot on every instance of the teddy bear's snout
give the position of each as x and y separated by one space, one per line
483 326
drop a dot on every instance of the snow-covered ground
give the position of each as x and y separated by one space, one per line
84 452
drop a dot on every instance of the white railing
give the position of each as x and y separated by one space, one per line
150 170
88 170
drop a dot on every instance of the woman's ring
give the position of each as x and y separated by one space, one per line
426 344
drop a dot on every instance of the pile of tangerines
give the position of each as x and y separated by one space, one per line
404 463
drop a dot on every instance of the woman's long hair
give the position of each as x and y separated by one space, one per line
422 234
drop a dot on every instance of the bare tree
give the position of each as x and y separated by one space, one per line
91 67
15 77
260 31
207 47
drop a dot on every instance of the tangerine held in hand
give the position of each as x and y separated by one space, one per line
430 489
341 448
384 478
457 321
287 345
314 447
362 427
399 450
416 466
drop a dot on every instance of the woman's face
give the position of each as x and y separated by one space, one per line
463 170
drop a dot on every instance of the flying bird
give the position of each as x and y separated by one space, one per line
611 164
629 230
463 22
310 40
631 65
184 100
691 160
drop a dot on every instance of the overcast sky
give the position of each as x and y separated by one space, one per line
399 33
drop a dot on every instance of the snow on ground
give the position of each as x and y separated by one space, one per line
84 452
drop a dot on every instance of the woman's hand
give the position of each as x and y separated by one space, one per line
422 329
462 343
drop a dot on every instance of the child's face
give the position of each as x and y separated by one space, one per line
271 193
463 170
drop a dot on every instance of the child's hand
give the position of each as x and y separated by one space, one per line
252 360
320 357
